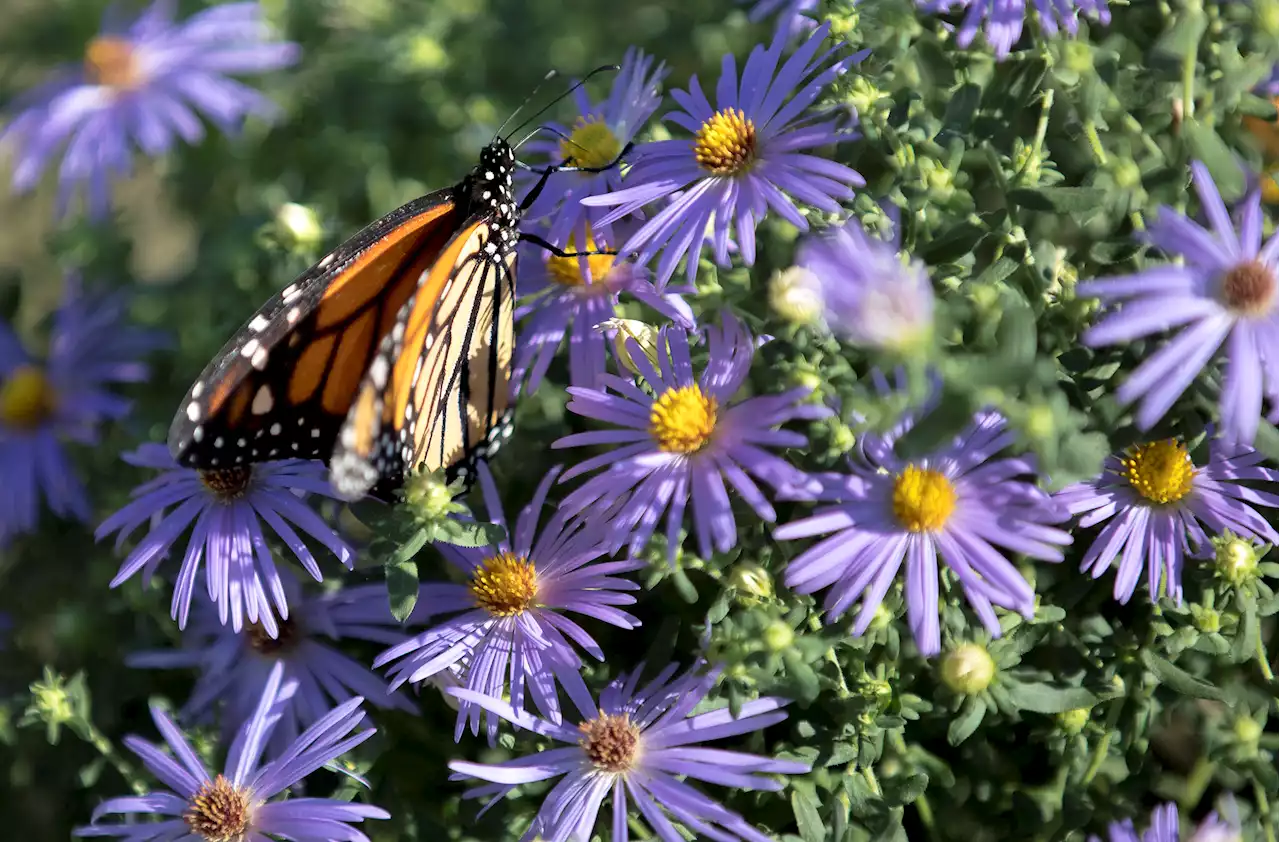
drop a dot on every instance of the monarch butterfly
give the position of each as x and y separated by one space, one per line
392 353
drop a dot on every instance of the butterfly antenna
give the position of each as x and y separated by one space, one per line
547 128
604 68
551 74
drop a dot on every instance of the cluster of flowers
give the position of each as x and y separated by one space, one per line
683 444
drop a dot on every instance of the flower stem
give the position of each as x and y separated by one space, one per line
1262 658
1100 750
91 735
1095 143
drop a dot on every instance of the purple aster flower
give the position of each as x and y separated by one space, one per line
1225 292
573 296
680 444
794 16
744 158
44 403
1164 828
237 804
143 83
507 627
870 296
596 139
225 509
1004 18
961 504
640 749
1156 503
236 666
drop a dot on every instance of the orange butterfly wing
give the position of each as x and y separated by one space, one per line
284 384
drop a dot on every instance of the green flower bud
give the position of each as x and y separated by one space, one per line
1126 173
968 669
796 296
752 579
842 436
1247 730
429 498
1073 721
1077 57
1236 558
881 619
1267 18
778 636
298 225
1207 620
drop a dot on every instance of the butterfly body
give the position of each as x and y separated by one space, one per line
392 353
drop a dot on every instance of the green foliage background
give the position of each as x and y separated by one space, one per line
1015 180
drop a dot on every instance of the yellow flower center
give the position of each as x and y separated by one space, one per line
682 420
1248 289
219 811
923 499
590 144
265 644
227 484
505 585
611 742
725 144
1160 471
567 271
110 61
26 398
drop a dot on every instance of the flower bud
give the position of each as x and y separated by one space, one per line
1207 620
968 669
429 498
1073 721
796 296
752 579
778 636
643 334
298 225
1235 558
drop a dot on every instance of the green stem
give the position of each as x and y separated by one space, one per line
1189 86
1100 750
1262 659
1197 782
1095 143
870 777
1264 807
89 732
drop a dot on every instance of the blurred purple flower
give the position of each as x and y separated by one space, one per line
681 444
143 83
1005 18
64 397
236 804
235 666
743 160
640 749
961 504
794 16
1164 828
507 627
1156 503
870 296
1224 292
596 138
225 508
572 296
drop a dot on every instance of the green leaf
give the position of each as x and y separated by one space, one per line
1182 40
968 720
402 588
804 803
1268 441
998 271
905 790
958 240
1044 698
961 108
410 548
1206 145
1179 680
469 533
804 681
684 586
1242 648
1084 201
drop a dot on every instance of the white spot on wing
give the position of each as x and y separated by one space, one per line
193 411
290 293
197 390
275 429
259 324
197 434
325 261
259 360
250 348
262 401
292 315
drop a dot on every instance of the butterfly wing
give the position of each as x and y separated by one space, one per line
436 393
284 384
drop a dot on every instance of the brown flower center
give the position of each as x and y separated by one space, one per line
264 644
227 483
726 143
1248 289
219 811
611 741
110 61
